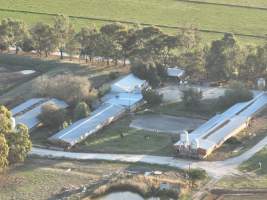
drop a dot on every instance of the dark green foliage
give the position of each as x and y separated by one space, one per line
82 110
104 89
191 98
52 116
14 144
113 75
146 71
152 97
19 144
197 175
237 93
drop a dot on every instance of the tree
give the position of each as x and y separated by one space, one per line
223 58
19 144
12 33
193 62
111 39
5 121
44 38
72 45
88 40
235 94
52 116
81 110
189 38
3 152
14 144
191 97
146 71
152 97
63 31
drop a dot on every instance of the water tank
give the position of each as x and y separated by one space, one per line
13 123
184 137
195 144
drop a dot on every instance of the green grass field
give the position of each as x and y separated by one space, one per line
167 12
133 142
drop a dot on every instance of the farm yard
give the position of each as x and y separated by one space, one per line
180 13
45 178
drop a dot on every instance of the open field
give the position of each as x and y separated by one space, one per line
43 178
133 141
206 17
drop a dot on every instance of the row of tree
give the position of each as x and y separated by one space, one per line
223 59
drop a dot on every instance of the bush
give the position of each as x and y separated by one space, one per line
82 110
113 75
152 97
197 175
52 116
104 89
237 93
146 71
71 89
191 97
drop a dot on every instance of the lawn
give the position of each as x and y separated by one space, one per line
109 140
167 12
252 165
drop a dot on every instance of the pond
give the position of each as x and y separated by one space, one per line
129 196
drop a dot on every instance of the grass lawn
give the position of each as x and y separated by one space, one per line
43 178
252 165
134 141
167 12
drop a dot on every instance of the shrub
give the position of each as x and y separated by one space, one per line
146 71
104 89
152 97
52 116
71 89
82 110
191 97
113 75
237 93
197 175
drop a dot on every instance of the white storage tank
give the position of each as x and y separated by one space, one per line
195 144
185 138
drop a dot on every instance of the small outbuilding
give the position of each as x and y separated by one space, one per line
175 72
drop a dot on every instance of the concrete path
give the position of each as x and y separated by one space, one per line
216 169
165 123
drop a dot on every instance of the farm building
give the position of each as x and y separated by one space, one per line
124 95
27 113
81 129
175 72
128 84
211 135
